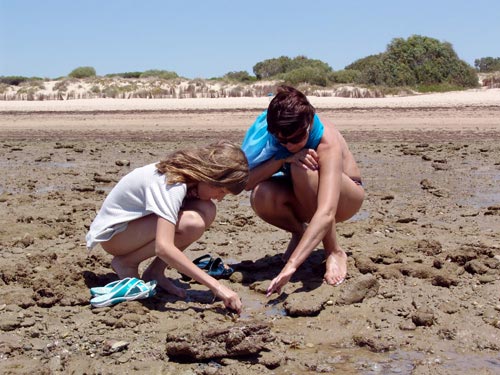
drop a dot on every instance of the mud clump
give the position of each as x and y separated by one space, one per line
236 341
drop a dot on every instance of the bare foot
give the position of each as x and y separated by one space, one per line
336 267
123 270
167 285
156 271
294 241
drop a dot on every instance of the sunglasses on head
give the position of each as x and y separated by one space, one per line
295 138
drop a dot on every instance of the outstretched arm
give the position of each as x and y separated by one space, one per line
170 254
323 220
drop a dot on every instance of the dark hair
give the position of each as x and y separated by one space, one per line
288 112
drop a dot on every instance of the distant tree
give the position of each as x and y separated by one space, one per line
271 67
125 75
364 63
487 64
83 72
241 76
13 80
418 60
345 76
307 74
297 70
163 74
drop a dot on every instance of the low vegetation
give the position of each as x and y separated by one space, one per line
416 64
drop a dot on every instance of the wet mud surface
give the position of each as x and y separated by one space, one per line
422 293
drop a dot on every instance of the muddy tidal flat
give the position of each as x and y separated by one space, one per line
422 294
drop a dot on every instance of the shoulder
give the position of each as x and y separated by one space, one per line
330 132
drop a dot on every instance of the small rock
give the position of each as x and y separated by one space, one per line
407 326
122 163
475 266
237 277
423 317
270 360
83 188
27 240
100 178
359 289
9 324
113 346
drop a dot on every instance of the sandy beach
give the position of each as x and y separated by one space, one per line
422 293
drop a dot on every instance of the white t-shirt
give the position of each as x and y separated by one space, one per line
142 192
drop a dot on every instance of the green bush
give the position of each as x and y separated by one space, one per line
241 76
307 74
13 80
82 72
163 74
345 76
125 75
418 60
283 66
271 67
487 64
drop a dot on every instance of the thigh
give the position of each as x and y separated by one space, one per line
273 192
139 232
199 209
350 200
305 191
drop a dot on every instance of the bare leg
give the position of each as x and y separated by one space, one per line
137 243
156 271
305 184
190 227
350 201
272 201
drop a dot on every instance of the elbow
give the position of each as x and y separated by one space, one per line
162 252
250 186
328 218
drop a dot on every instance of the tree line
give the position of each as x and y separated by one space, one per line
419 62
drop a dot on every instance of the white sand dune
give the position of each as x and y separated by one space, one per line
471 98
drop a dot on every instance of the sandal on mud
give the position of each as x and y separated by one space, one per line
219 270
99 290
214 267
202 262
128 289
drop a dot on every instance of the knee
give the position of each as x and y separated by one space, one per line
198 219
206 212
261 198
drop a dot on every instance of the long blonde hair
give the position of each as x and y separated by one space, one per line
221 164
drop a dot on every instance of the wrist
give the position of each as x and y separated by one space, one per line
290 266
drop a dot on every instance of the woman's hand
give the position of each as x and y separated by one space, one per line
279 281
306 158
230 299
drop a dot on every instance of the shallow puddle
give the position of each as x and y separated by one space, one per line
361 361
486 194
255 308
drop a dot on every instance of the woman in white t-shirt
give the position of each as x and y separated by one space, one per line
160 209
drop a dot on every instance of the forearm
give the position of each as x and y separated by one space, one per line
317 230
176 259
263 172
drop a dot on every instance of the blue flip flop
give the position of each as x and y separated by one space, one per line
219 270
202 262
128 289
108 288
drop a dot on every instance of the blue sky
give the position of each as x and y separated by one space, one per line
208 38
